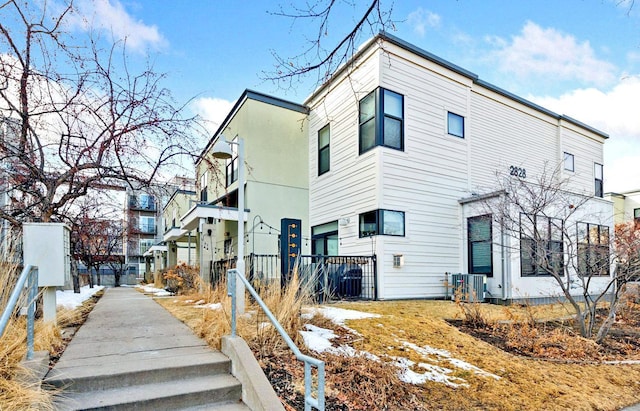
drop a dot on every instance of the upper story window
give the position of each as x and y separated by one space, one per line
381 120
204 182
636 213
455 124
382 222
324 154
569 162
232 164
480 245
597 173
541 245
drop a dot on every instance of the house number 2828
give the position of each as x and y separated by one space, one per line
517 172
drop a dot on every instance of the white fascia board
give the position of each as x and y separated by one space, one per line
191 219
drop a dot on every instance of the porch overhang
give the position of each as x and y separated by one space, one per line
174 234
153 249
192 218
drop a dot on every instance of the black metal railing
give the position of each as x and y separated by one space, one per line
328 277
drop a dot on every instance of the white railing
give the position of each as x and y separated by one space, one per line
309 399
29 275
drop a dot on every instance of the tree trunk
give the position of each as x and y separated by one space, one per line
75 276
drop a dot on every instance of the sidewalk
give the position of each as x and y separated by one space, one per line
131 349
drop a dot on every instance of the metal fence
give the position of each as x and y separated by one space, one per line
327 277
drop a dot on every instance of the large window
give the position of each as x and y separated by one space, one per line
324 154
324 239
569 162
593 249
480 245
147 224
145 244
381 120
541 245
382 222
455 124
232 164
598 175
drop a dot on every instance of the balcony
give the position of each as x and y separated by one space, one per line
144 229
146 203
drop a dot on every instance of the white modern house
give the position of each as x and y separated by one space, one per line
403 145
626 205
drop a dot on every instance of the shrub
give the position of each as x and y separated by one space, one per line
182 279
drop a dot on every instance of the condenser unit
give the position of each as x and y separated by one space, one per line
469 287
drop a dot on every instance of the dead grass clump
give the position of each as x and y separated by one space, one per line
473 313
182 279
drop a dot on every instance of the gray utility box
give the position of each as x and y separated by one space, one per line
469 287
47 245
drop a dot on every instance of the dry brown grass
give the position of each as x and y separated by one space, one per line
358 383
15 392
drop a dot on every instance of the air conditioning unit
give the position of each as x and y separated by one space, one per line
469 287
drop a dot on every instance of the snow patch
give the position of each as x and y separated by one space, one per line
69 299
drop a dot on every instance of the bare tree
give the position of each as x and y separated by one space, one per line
315 56
77 116
566 236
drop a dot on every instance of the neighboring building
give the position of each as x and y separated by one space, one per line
9 131
276 145
400 144
626 206
143 225
181 245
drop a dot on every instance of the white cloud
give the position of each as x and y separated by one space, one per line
549 52
212 110
111 16
421 20
615 112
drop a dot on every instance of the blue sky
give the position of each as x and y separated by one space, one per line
575 57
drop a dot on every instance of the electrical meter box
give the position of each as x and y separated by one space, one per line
47 245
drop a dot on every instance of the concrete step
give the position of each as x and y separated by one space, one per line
137 368
218 392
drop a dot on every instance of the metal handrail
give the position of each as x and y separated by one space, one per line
309 400
29 273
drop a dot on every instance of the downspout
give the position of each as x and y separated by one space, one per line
503 261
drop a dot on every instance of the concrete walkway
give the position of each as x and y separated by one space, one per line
130 341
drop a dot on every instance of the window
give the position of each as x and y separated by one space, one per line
541 245
147 202
147 224
324 239
145 245
455 124
480 245
382 222
597 172
569 162
204 182
232 164
324 154
636 213
381 120
593 249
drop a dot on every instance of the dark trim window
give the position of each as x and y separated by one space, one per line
593 249
232 165
598 176
480 245
382 222
636 213
541 246
455 124
569 162
324 239
324 153
204 182
381 120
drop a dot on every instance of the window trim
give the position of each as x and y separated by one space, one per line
324 149
548 242
231 166
485 217
379 223
593 248
573 162
451 114
379 116
599 182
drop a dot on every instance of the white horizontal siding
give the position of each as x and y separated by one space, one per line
586 153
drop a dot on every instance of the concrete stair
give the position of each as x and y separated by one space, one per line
190 378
